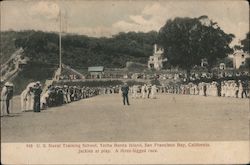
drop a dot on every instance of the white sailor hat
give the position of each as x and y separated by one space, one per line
38 82
9 84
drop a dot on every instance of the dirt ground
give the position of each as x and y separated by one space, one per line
104 118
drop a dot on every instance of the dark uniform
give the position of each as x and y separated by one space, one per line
8 98
245 88
205 89
37 95
125 90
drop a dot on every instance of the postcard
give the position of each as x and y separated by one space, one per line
125 82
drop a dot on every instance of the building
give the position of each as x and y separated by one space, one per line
222 66
204 62
239 58
156 60
96 72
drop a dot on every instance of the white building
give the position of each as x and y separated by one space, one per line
204 62
222 66
156 60
239 58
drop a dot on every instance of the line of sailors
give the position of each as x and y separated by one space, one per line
32 97
137 91
144 91
58 95
110 89
230 88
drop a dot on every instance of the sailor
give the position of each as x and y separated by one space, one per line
44 99
65 94
201 93
226 89
6 96
245 88
223 89
72 93
153 92
231 92
240 88
52 96
144 91
218 87
134 91
125 90
148 90
237 89
234 89
30 96
60 93
205 89
24 101
37 95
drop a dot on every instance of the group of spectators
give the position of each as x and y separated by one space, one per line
137 91
32 98
110 89
144 91
226 88
59 95
229 88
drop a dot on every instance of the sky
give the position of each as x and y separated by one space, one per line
105 18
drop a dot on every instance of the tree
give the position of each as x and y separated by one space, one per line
82 51
188 40
245 43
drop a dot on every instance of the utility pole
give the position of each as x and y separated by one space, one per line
60 41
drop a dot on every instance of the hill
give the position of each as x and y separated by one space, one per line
7 45
80 51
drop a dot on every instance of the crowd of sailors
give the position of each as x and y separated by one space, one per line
54 95
34 97
144 91
230 88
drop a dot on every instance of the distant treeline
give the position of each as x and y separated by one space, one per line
81 51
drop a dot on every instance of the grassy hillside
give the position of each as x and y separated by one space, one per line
7 45
78 51
81 51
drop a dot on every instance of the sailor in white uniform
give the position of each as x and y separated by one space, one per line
24 100
6 96
135 90
44 98
144 91
3 99
30 96
153 92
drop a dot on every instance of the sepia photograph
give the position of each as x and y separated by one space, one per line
125 82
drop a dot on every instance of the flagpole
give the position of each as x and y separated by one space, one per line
60 41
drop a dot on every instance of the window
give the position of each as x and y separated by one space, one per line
242 56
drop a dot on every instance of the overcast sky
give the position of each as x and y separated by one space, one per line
105 18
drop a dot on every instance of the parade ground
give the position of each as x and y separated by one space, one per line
105 118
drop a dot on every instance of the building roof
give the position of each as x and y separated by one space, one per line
96 69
